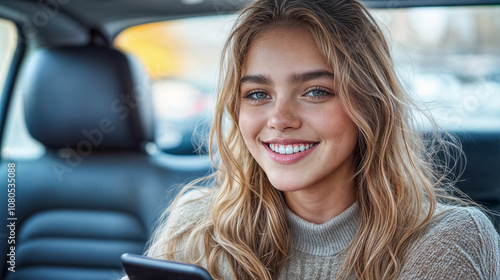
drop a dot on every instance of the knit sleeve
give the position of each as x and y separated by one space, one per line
185 214
462 244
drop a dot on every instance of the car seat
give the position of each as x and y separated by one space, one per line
481 177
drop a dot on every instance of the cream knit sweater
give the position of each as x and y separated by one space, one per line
460 244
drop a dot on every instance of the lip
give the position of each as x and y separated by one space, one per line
292 158
288 141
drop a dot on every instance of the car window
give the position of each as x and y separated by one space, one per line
8 42
448 59
449 62
17 143
182 56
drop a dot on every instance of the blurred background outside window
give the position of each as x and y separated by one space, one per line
182 57
448 58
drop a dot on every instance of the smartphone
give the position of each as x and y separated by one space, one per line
143 268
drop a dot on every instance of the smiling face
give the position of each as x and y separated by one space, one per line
290 117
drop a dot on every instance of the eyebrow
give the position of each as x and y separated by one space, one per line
308 76
294 78
256 79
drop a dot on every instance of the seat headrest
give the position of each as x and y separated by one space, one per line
76 96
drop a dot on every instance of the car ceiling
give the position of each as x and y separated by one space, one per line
76 22
56 22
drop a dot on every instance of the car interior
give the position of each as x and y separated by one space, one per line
100 185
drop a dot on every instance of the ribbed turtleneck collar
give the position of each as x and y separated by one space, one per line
326 239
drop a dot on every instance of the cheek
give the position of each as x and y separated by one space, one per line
349 132
347 124
336 124
248 124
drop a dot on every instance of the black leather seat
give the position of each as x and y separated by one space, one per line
481 177
95 194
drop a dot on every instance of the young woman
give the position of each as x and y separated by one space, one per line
321 173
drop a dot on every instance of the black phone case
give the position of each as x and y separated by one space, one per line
142 268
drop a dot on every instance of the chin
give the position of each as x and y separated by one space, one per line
289 185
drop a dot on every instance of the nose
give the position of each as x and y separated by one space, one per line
284 116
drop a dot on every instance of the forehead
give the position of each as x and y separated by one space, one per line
283 49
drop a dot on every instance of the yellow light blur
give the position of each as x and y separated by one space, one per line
157 45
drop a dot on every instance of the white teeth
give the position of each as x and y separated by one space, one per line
282 149
289 149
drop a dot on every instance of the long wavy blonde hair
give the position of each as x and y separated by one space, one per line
398 180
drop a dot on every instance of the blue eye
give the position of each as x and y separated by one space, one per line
318 93
257 96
